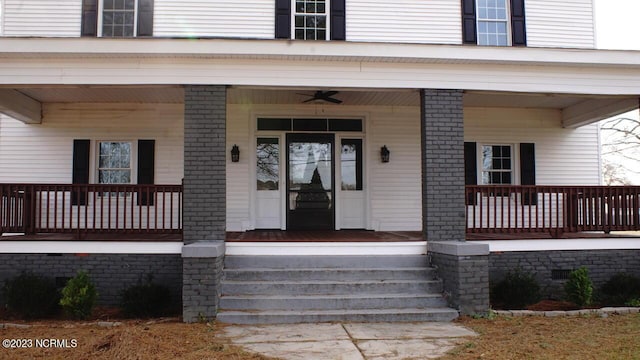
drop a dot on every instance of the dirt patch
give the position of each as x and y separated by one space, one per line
572 337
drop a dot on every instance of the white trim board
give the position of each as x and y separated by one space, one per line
326 248
90 247
562 244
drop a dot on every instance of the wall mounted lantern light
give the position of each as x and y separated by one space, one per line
384 154
235 153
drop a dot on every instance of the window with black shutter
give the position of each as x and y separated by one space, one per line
494 22
117 18
312 19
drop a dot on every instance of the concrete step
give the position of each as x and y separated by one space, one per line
330 287
336 262
331 302
312 316
268 274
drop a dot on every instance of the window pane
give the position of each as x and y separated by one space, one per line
310 124
268 164
274 124
351 164
496 164
114 163
345 125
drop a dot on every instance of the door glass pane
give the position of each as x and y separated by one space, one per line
268 164
351 164
310 175
310 164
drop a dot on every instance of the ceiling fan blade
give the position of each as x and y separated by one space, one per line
329 93
335 101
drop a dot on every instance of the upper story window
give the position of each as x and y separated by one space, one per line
493 22
310 20
117 18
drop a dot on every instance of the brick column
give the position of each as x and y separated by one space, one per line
442 165
204 201
463 267
204 214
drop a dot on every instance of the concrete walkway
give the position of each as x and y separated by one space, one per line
349 341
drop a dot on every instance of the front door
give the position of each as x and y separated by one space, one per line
310 182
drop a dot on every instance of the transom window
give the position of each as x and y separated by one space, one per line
114 162
310 19
493 22
497 164
289 124
118 18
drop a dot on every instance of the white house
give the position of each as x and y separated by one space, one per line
173 127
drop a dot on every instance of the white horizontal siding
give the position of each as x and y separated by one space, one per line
395 187
563 156
552 23
43 153
45 18
205 18
404 21
239 174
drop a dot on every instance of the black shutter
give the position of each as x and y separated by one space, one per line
518 27
146 170
470 169
338 20
528 172
89 25
469 34
283 19
145 18
80 175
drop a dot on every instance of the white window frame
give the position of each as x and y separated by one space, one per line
506 21
133 162
101 16
513 171
327 10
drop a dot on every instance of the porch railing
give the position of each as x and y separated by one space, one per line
66 208
554 209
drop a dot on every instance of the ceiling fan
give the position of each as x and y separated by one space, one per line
323 96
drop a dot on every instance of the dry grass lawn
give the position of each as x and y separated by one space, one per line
131 340
574 337
614 337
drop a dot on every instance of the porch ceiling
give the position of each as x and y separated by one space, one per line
577 109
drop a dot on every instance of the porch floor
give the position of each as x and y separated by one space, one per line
313 236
